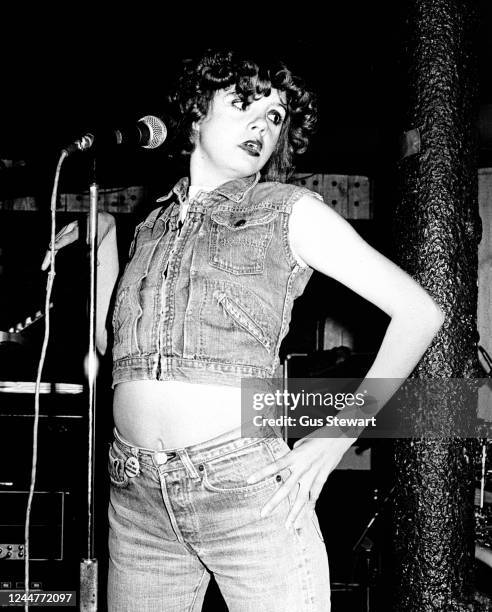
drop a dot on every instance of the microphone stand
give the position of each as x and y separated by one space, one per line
365 544
89 565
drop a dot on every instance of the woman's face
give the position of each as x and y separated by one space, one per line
232 142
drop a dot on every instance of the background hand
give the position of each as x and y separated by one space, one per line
70 233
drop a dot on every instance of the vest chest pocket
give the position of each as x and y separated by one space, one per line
239 240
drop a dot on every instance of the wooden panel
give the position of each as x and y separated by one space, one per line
335 192
27 203
314 182
358 198
348 195
310 181
114 200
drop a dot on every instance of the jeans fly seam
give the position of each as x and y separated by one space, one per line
167 505
195 594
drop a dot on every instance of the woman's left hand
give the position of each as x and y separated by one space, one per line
310 463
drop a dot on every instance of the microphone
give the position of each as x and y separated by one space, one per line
149 132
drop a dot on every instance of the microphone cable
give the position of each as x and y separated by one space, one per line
49 287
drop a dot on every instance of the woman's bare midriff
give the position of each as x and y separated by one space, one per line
168 414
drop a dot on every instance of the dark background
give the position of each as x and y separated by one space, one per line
58 81
65 72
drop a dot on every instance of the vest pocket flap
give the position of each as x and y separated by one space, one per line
235 220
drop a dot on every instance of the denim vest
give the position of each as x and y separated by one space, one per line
210 302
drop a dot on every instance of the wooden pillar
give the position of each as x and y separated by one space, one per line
436 232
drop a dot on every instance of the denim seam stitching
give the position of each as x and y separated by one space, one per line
234 450
303 557
197 589
286 310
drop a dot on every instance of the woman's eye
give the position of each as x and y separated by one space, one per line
276 117
238 103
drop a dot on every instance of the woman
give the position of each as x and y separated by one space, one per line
204 302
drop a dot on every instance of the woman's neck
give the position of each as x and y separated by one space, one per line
208 178
193 190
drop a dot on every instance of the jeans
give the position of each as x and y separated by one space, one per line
178 515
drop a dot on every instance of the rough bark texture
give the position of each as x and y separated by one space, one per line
437 230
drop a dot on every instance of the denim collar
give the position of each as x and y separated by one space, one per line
234 190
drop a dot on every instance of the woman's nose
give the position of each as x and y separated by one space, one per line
259 124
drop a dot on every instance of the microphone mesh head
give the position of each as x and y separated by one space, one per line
158 131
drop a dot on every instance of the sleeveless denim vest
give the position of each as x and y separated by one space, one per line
210 302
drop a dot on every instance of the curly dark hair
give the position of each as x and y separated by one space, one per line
200 78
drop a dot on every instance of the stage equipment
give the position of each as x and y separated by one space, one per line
55 513
47 525
483 497
149 132
15 332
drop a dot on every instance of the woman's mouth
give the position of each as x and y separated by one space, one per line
252 147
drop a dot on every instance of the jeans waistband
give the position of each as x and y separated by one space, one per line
220 445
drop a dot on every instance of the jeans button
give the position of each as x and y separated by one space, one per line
161 457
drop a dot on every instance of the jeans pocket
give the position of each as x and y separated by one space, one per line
116 468
242 486
239 240
278 447
229 474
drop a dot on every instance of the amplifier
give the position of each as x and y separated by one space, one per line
47 523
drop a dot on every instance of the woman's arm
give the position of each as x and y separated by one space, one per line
328 243
107 275
107 270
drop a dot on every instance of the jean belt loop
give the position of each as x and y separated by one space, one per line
133 449
190 468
